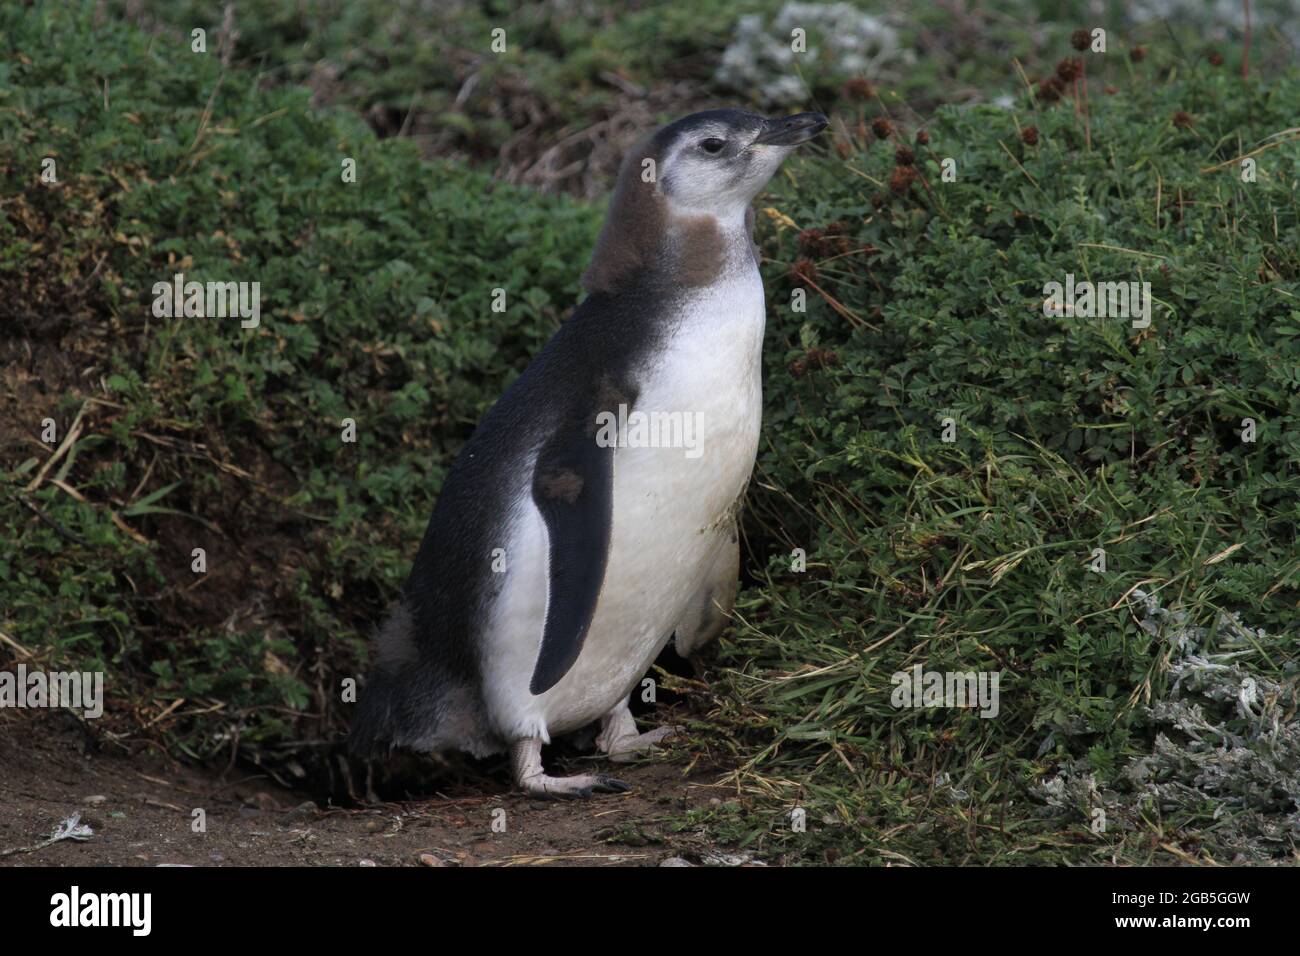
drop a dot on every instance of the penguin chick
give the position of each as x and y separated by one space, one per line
592 513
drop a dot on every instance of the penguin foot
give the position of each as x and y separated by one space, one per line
627 749
526 763
619 739
578 787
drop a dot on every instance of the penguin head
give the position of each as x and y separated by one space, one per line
715 162
706 169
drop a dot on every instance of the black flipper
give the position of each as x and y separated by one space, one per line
573 487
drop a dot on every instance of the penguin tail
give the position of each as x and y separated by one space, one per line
372 725
388 697
411 701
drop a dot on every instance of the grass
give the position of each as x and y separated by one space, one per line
1070 434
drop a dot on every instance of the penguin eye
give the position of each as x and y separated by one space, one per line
713 145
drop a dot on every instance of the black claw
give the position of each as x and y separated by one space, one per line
612 785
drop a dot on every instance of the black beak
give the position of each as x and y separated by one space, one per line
790 130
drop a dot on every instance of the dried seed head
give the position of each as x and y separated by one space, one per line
901 179
1215 58
1183 120
859 88
904 156
1030 135
1069 69
1081 40
1050 89
882 127
812 360
821 243
836 240
1137 54
922 138
816 358
810 241
804 270
879 200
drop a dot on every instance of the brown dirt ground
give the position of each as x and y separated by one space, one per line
139 807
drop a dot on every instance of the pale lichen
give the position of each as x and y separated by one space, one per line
842 41
1226 751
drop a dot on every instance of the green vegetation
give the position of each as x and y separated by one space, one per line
573 75
925 302
376 307
1071 434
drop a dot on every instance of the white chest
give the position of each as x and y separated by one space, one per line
671 502
708 376
675 481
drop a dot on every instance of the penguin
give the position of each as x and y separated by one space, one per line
572 540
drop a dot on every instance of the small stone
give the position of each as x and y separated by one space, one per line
94 800
302 812
263 801
676 861
428 859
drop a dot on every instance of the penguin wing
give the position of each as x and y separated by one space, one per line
573 487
